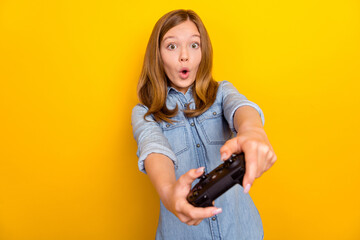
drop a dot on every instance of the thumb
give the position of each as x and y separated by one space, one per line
191 175
250 173
249 176
231 146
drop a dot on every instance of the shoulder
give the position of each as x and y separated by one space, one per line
223 85
139 108
138 113
227 88
223 88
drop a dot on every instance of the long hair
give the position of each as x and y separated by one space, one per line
153 82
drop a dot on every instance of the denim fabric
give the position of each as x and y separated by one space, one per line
193 143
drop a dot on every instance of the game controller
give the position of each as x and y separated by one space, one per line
218 181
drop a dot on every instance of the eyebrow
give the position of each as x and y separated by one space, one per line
195 35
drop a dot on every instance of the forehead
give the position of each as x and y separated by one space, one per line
184 30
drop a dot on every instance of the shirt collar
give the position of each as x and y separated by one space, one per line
173 90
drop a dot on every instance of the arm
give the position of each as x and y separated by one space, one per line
252 140
157 160
172 193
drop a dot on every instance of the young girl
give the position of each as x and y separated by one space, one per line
186 124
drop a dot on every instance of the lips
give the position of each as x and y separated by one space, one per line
184 73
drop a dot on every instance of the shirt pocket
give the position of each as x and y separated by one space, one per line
177 135
214 125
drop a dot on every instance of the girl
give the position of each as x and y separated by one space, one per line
186 123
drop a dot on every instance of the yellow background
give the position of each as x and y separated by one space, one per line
68 75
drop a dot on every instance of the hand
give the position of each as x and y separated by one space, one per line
178 204
259 154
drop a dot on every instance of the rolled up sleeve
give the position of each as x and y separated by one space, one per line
232 100
149 137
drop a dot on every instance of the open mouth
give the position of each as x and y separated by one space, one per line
184 73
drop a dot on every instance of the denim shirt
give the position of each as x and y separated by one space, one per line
193 143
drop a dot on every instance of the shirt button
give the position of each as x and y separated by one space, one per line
167 125
192 124
214 113
185 105
213 218
198 145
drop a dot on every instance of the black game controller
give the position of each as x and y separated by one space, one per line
218 181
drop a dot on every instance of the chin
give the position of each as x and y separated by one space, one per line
186 83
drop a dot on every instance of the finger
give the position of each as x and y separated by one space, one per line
231 146
197 222
270 159
192 222
251 157
274 159
199 213
191 175
262 159
183 218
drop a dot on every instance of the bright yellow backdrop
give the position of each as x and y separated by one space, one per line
68 75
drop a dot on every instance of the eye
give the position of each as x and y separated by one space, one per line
171 46
195 45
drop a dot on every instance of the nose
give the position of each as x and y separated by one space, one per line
184 59
184 55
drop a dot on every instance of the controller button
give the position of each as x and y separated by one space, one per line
214 176
199 187
196 193
205 196
198 145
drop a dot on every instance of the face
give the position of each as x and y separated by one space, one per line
181 54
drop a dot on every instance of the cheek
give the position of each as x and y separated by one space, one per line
165 63
198 60
167 60
167 68
198 56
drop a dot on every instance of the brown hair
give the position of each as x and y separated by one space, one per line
153 82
